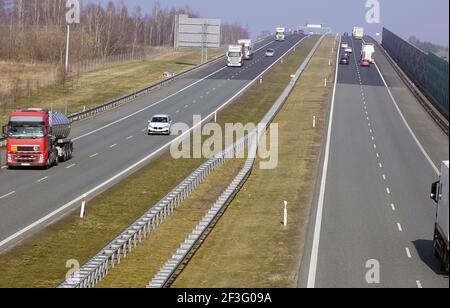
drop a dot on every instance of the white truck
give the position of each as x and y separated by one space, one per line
280 34
358 33
439 193
248 48
235 56
368 52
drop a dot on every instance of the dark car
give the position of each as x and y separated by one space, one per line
345 59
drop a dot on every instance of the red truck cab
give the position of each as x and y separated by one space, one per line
33 140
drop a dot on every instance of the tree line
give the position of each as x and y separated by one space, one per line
35 30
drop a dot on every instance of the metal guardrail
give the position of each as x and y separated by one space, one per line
98 266
416 92
169 270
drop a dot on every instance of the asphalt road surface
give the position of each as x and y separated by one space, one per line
111 143
372 221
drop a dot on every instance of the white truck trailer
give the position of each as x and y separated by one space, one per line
280 34
368 52
235 55
439 193
358 33
248 48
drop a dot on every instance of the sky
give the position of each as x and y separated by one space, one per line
426 19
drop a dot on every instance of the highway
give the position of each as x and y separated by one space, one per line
372 208
114 144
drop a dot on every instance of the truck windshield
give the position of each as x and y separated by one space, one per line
234 54
23 131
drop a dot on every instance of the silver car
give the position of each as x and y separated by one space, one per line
270 53
160 124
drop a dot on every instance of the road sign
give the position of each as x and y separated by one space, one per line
197 33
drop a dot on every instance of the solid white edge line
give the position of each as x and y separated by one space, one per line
430 161
120 174
318 224
419 284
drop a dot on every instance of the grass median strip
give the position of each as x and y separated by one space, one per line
98 86
40 260
249 246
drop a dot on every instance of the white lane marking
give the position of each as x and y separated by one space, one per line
177 111
43 179
8 194
378 155
133 166
384 177
388 190
393 207
419 284
93 155
186 106
370 125
399 226
71 166
408 253
4 167
373 138
380 165
430 161
130 137
113 145
374 146
318 226
194 102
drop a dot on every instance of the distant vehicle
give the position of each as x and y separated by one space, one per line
235 55
344 45
295 32
280 34
345 33
349 50
37 138
270 52
160 124
248 48
345 59
368 52
439 193
358 33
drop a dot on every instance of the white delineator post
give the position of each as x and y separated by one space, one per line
66 67
314 122
83 206
285 213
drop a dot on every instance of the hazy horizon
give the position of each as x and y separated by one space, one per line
400 16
